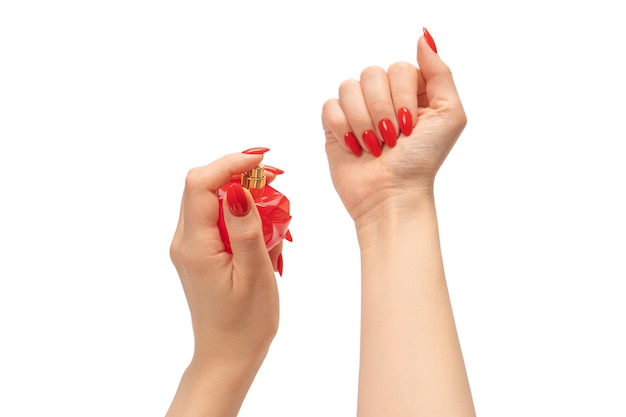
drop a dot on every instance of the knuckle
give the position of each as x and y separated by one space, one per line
447 70
461 119
192 180
400 67
372 71
247 238
358 119
405 96
272 327
174 253
377 105
456 118
187 256
347 86
332 119
174 248
327 107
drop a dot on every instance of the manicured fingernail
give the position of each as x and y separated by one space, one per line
279 264
405 119
388 132
288 236
430 41
273 170
256 151
237 200
371 143
352 143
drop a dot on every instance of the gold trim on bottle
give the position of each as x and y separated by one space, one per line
255 178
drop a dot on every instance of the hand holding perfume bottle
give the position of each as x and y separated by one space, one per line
233 299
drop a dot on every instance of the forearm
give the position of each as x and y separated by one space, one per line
411 360
213 389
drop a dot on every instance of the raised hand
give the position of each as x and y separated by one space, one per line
415 111
387 135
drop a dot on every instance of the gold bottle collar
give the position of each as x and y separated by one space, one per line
254 178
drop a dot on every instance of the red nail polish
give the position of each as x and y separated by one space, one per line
272 205
371 143
405 120
256 151
352 143
273 170
279 264
388 132
430 41
237 200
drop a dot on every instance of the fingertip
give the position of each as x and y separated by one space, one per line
352 143
276 257
280 264
405 120
238 200
273 170
428 58
429 40
259 150
438 80
388 132
372 144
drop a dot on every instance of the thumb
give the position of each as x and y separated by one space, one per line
245 231
440 88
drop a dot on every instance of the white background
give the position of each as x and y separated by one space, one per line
104 106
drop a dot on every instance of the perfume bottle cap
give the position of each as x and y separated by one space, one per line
255 178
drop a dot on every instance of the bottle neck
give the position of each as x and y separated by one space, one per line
254 180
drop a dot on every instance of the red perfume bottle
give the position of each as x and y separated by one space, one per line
272 205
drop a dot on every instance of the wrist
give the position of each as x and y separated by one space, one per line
213 388
245 346
394 213
230 373
234 363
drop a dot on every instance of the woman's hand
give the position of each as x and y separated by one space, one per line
415 111
233 299
411 363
